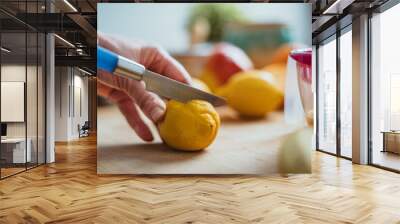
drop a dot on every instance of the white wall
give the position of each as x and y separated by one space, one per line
15 73
62 82
69 82
82 82
81 104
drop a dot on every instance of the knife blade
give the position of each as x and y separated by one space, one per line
170 88
159 84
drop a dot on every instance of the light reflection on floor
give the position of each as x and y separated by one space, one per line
386 159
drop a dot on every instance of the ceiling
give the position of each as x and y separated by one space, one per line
331 15
74 21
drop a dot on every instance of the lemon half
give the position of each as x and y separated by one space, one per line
189 126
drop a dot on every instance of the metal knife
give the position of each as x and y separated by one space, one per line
159 84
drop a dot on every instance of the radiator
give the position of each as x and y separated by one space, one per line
391 142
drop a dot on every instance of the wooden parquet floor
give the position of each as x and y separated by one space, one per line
69 191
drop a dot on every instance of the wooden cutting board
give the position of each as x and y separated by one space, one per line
241 147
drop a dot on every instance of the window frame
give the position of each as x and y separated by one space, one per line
378 10
26 30
347 27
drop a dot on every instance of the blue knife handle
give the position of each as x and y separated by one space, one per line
106 59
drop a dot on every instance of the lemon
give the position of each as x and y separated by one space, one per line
279 72
209 78
295 152
252 93
197 83
189 126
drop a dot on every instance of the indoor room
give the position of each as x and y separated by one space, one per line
337 72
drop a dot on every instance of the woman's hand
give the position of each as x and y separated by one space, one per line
131 95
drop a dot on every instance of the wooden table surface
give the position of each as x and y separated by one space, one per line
241 147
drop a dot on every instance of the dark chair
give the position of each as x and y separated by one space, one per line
84 129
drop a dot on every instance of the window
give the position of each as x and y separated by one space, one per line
14 151
385 89
22 78
346 93
327 96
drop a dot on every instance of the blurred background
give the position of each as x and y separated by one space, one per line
254 36
190 29
155 22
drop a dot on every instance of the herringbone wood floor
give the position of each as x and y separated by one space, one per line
69 191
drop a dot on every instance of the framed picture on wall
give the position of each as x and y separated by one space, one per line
12 101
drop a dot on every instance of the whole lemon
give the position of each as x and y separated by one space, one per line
279 72
209 78
189 126
295 152
252 93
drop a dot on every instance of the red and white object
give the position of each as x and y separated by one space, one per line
224 61
299 92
